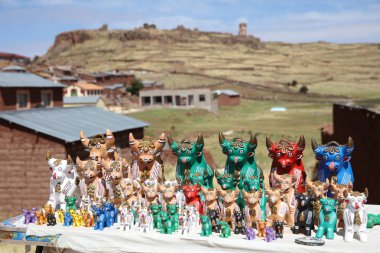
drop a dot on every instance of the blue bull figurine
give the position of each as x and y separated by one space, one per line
334 160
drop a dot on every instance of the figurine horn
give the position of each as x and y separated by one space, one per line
48 156
350 142
314 144
85 141
301 142
69 160
268 142
366 192
200 140
253 139
276 176
170 140
221 138
216 172
345 193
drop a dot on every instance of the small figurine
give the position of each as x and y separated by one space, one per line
261 231
77 219
304 217
184 223
60 214
150 189
147 161
337 191
250 233
252 208
166 223
126 218
334 160
145 220
99 218
131 191
230 182
191 161
373 220
213 214
192 195
229 206
318 190
270 234
286 184
171 195
115 171
41 219
193 216
62 181
286 157
88 220
206 226
279 227
70 203
327 218
29 216
355 215
91 183
225 230
276 209
173 215
51 220
211 198
68 219
156 209
100 146
239 223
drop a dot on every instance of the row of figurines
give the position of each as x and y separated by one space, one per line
104 162
219 212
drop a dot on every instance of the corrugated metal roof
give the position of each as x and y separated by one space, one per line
13 67
68 78
227 92
114 86
64 123
13 80
81 100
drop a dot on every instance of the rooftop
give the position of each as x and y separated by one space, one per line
81 100
88 86
27 80
10 55
13 68
227 92
114 86
67 78
65 123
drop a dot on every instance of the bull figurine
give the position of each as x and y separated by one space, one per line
334 160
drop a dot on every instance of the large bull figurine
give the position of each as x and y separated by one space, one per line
334 160
286 157
191 163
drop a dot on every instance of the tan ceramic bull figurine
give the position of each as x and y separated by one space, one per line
286 184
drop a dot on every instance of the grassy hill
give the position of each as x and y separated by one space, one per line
188 58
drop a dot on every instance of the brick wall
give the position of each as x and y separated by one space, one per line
225 100
24 180
363 126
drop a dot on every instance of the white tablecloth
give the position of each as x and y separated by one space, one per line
113 240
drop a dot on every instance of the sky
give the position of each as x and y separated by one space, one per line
29 27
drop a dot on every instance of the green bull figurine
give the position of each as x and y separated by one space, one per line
165 223
206 226
156 209
327 218
173 215
191 163
373 220
70 203
225 230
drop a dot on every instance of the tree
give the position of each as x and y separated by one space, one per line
304 89
136 86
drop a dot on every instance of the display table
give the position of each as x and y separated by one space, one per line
113 240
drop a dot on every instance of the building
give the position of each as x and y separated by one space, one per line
185 98
25 91
363 125
14 69
82 88
97 101
243 29
61 70
108 78
9 57
227 97
114 90
68 80
27 137
149 85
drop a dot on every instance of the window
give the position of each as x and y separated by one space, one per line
157 100
145 100
47 98
23 100
74 93
202 98
168 100
191 100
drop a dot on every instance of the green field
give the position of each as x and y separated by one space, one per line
255 116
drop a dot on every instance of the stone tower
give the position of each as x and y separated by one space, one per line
243 29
